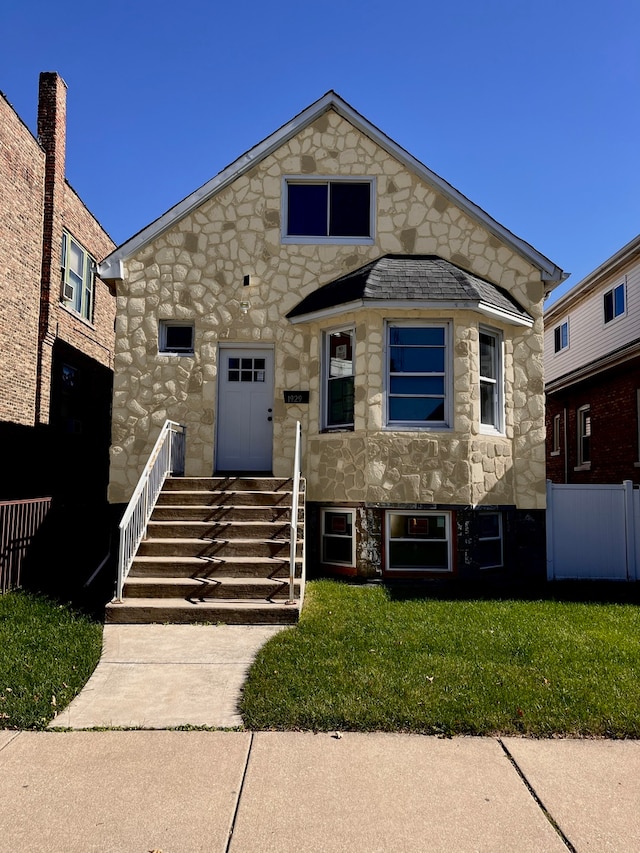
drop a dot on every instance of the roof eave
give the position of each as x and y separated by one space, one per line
424 304
620 259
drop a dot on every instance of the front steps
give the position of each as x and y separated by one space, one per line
217 551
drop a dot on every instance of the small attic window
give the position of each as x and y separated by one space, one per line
322 210
175 337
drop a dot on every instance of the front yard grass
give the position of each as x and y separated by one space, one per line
47 653
361 659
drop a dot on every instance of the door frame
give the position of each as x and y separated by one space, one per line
237 345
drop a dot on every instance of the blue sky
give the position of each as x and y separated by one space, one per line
529 108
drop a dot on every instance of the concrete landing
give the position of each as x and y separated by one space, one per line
163 676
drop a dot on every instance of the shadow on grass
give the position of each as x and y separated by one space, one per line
496 589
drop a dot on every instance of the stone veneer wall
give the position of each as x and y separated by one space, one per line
195 270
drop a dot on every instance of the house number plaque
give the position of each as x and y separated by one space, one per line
296 396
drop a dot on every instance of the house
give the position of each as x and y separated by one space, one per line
56 319
592 370
328 277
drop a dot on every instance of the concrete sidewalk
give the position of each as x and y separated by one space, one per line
163 676
238 792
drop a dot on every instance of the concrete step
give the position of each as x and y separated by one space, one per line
198 567
255 514
187 529
136 611
221 498
227 484
210 588
214 548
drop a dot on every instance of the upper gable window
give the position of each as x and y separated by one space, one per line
614 303
324 210
77 277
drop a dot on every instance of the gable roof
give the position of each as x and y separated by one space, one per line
112 266
424 280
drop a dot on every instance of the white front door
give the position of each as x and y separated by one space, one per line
245 410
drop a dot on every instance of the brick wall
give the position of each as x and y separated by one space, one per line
612 396
22 164
65 210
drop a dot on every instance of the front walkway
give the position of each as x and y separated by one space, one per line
163 676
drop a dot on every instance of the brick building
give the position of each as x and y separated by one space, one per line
56 318
592 368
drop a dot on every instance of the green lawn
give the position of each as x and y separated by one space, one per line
363 660
47 653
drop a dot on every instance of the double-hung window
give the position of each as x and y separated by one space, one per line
583 418
561 337
418 541
338 540
491 397
555 447
77 277
328 210
614 303
417 361
490 540
339 349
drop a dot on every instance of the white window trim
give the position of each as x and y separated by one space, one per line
412 426
499 537
556 436
616 317
328 240
566 346
326 335
498 404
637 464
68 287
583 465
347 510
163 325
419 514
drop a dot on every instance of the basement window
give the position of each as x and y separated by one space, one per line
338 540
418 541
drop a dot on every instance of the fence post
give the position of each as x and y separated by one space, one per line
549 530
630 528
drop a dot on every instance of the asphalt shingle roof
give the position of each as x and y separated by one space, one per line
423 278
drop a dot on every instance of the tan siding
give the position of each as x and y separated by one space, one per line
589 337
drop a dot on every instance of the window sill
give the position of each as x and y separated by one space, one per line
584 467
78 316
486 429
326 241
555 453
636 464
180 354
416 428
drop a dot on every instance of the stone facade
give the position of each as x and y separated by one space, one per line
195 270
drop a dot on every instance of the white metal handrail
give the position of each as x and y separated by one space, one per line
167 457
19 522
295 501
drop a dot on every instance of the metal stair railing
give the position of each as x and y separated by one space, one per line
167 457
295 503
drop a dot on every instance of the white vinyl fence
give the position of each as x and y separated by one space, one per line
593 532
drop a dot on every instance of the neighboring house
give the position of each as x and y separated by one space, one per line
592 371
56 322
56 316
328 277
